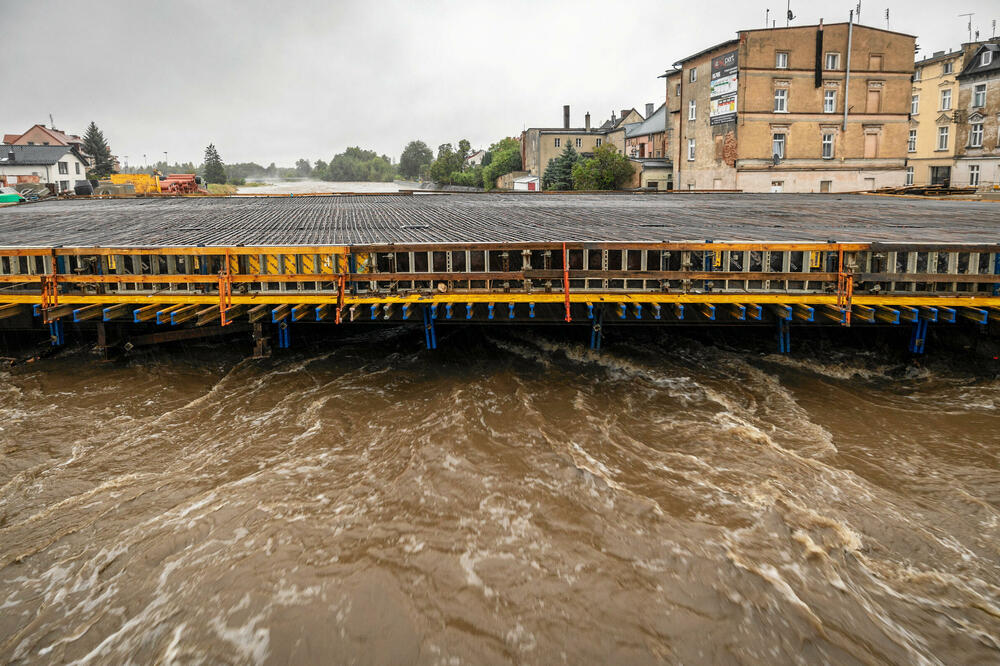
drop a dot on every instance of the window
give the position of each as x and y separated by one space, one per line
63 167
77 165
63 185
579 143
693 74
690 150
827 145
781 101
909 176
974 175
917 75
946 100
942 143
778 146
832 61
976 135
829 101
986 58
677 90
781 60
911 142
692 109
948 68
915 105
558 142
979 96
875 62
598 142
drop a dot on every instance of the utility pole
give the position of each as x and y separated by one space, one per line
886 18
767 18
788 14
970 15
857 12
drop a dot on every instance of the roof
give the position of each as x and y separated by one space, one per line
927 60
653 162
731 42
36 155
488 218
657 122
11 138
974 68
857 26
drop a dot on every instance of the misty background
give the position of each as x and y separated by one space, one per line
278 81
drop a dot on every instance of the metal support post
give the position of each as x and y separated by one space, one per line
56 333
784 336
919 337
595 330
284 335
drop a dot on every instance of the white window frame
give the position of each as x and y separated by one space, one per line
948 68
828 139
77 165
942 133
557 142
918 75
693 74
579 142
835 56
829 101
779 144
914 104
979 96
909 176
781 59
911 141
691 146
63 168
781 100
973 175
946 99
692 109
976 135
985 58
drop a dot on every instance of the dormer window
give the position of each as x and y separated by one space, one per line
986 58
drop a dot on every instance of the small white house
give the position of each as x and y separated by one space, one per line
62 165
527 184
475 158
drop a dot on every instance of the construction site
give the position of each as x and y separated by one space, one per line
140 271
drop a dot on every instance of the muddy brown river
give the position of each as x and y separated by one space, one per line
511 497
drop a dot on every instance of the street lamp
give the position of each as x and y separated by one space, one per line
165 162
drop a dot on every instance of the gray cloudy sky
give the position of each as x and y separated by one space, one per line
278 80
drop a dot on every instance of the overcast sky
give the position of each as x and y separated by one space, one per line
278 80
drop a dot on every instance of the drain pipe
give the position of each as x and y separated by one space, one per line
847 71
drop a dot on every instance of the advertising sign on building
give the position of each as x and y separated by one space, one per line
723 89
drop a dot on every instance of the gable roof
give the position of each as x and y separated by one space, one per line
657 122
11 138
974 68
36 155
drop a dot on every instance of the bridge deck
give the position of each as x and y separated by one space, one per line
458 218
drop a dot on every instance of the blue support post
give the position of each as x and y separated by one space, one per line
429 327
919 337
447 310
434 311
784 336
621 311
531 310
468 310
996 271
590 310
406 310
595 330
36 310
490 308
657 314
510 311
284 335
56 333
638 310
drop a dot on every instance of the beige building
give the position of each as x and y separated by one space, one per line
541 144
977 140
801 109
934 104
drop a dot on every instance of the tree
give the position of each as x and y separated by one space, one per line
606 170
463 148
502 158
559 172
215 170
447 163
357 164
95 145
320 170
303 168
415 157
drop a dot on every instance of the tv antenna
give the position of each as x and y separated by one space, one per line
857 14
52 123
970 15
789 16
886 18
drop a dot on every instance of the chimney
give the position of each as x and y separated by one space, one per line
613 117
566 116
11 157
649 109
624 113
586 120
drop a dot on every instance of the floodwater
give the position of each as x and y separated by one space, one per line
510 497
317 186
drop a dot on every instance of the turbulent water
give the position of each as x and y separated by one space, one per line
508 498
